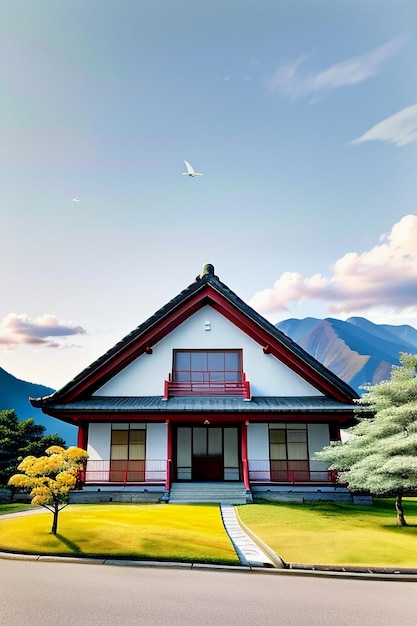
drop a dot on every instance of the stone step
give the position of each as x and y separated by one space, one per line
231 493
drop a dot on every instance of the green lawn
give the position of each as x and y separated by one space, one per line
151 531
336 534
320 534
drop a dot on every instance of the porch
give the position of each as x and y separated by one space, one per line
260 473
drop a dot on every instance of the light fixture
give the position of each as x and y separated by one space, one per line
207 325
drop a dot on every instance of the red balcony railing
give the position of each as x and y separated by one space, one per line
124 472
208 387
261 471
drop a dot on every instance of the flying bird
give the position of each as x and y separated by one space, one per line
190 170
75 199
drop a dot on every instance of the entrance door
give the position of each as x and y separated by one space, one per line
207 453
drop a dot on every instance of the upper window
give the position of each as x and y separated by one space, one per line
207 366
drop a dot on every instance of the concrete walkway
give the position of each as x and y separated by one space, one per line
24 513
250 552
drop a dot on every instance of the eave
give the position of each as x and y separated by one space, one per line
201 409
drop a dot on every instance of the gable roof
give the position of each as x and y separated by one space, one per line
207 289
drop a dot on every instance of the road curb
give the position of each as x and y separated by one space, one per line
290 570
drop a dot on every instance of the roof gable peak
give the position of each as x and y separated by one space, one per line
206 289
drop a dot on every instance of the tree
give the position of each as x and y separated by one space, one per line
20 439
380 456
51 477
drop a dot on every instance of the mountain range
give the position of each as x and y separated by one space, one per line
357 350
14 394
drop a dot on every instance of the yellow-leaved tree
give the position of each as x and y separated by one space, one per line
51 477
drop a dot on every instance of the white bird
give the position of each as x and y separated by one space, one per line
75 199
190 170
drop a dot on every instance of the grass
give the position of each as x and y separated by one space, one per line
337 534
14 508
321 534
151 531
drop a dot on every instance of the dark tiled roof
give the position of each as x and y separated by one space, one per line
155 404
199 286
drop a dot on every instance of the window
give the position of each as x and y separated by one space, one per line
208 367
127 453
288 452
207 373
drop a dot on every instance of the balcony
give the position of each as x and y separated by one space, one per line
208 384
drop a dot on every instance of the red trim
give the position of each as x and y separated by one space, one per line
281 352
341 420
82 435
335 433
244 452
166 390
246 388
169 455
128 353
207 295
225 388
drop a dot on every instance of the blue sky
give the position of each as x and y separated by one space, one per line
301 115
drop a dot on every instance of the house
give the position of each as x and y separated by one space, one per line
205 392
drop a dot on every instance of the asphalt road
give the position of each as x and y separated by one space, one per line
60 594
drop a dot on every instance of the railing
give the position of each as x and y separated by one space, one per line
123 472
260 471
160 471
207 388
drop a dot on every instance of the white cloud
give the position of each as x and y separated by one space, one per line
383 277
399 129
288 80
21 329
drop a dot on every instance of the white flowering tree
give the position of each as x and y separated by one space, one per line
51 477
380 456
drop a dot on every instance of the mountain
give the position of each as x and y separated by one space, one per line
357 350
14 394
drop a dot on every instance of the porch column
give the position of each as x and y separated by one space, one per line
334 430
244 452
82 435
169 457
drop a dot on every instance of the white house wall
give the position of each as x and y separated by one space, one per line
156 451
267 375
99 437
258 451
318 437
98 448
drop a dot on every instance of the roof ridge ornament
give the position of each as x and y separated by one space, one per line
208 270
